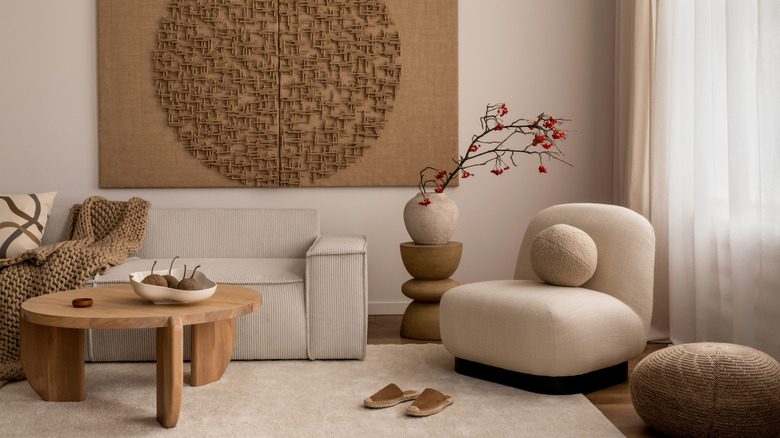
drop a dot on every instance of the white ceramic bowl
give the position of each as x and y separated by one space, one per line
166 295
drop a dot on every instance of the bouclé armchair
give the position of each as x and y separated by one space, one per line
554 339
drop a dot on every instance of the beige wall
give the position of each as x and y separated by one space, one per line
535 55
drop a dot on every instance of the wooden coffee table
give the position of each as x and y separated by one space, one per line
52 338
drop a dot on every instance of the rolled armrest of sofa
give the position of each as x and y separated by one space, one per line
337 296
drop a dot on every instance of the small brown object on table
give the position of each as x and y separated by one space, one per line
82 302
431 266
52 338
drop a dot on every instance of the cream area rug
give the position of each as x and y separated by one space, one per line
302 399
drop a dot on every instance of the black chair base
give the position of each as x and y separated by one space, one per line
581 384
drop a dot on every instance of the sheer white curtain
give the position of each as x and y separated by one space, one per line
711 172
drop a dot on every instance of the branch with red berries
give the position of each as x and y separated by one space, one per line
497 144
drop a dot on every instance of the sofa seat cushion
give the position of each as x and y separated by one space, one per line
275 331
241 272
538 328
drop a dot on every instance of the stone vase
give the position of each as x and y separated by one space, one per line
431 224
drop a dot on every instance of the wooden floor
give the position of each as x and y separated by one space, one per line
614 402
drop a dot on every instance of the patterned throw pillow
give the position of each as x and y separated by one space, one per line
22 219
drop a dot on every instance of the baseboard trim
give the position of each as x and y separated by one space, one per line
581 384
388 308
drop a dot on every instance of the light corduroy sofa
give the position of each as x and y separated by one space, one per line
314 286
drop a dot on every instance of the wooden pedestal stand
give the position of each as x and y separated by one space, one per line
431 266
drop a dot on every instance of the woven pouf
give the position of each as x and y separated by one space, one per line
708 389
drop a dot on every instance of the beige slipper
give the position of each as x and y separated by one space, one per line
429 402
388 396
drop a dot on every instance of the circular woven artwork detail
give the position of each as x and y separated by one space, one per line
277 93
708 389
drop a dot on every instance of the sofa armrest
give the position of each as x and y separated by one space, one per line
336 297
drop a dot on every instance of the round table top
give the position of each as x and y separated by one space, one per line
120 307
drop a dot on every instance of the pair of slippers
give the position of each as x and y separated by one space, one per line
429 402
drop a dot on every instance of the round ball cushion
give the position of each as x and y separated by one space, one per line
708 389
563 255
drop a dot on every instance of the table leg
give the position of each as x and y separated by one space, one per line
212 347
170 371
53 360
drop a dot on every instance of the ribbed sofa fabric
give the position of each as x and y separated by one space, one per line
336 271
313 312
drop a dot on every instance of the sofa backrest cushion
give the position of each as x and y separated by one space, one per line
216 233
625 242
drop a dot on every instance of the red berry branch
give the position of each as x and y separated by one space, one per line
493 146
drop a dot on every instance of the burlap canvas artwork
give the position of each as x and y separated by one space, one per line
276 93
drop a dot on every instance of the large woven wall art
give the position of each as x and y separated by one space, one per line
275 93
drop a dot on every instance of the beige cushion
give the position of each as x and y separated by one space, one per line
237 271
273 332
538 328
22 221
564 255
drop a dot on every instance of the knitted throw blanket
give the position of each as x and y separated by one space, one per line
101 233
